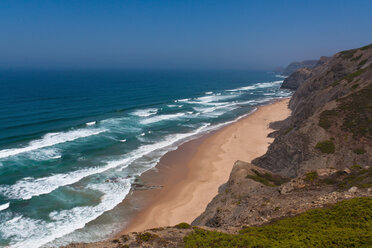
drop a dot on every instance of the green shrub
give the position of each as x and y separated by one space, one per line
183 225
359 151
311 176
356 58
324 117
356 167
359 177
267 179
288 130
363 62
357 111
346 224
366 47
146 236
124 238
349 78
348 54
326 146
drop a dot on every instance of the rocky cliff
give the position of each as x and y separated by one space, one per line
331 109
324 149
294 80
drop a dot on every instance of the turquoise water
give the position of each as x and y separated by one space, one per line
73 142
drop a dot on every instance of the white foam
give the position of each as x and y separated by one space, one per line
258 86
215 98
4 206
145 112
161 118
209 93
51 139
91 123
183 100
28 232
44 154
29 187
170 142
281 76
123 140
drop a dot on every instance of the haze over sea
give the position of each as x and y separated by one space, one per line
73 142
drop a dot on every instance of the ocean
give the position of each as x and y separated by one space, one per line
72 142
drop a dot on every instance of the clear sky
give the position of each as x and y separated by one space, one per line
228 34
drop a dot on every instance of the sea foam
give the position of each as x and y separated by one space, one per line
51 139
161 118
32 233
257 86
4 206
145 112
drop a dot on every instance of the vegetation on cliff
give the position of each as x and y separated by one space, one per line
346 224
326 146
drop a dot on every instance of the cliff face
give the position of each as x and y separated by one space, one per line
294 80
333 105
292 67
300 75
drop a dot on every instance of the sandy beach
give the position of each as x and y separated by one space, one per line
191 175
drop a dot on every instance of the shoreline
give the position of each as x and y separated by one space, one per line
191 175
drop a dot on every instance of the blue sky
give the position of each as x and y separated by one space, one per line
178 34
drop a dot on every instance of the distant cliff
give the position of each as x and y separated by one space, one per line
292 67
294 80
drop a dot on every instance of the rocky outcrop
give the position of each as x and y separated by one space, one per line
251 201
294 80
292 67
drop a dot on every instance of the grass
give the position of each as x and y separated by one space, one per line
267 179
326 146
346 224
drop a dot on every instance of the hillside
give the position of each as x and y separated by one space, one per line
321 157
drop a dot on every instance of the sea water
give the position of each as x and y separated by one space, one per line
72 142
